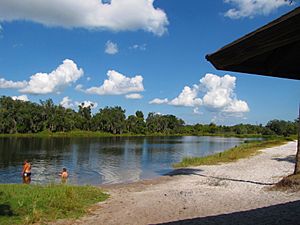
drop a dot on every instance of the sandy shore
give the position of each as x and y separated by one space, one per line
234 193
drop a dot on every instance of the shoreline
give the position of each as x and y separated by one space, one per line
230 191
95 134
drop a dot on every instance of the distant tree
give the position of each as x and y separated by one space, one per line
167 124
281 127
212 128
29 117
85 116
136 124
8 115
110 119
26 117
48 114
239 129
139 114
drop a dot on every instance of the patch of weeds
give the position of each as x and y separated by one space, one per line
289 183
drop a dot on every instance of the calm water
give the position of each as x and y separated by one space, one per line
102 160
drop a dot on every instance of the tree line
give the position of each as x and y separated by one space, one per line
27 117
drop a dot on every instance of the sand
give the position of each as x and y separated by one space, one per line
233 193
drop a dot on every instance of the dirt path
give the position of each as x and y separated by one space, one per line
235 193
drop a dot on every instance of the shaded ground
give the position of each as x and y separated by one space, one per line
234 193
282 214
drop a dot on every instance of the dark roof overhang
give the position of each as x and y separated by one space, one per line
272 50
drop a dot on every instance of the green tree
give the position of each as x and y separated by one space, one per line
8 113
136 124
167 124
85 116
48 114
110 119
281 127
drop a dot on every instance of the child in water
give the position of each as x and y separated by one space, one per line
64 174
26 172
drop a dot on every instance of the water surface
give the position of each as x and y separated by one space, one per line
102 160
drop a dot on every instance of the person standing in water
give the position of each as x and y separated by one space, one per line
26 172
64 175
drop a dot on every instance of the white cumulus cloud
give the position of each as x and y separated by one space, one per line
67 103
70 104
236 106
218 90
219 94
111 48
117 84
23 98
251 8
188 97
54 82
12 84
159 101
134 96
117 15
213 92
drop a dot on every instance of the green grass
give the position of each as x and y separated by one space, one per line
243 151
82 133
27 204
75 133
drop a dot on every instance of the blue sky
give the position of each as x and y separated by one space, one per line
140 55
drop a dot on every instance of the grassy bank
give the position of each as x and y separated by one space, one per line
243 151
26 204
76 133
81 133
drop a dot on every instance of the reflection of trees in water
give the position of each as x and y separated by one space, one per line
109 159
112 159
14 150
